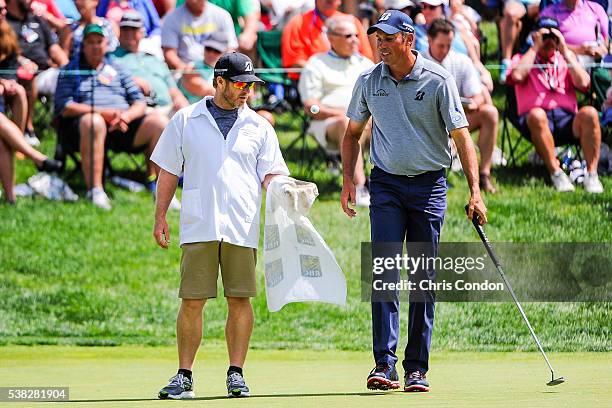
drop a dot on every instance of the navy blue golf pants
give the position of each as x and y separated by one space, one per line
411 210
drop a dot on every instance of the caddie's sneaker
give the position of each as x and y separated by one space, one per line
592 184
236 387
416 382
561 182
383 377
180 387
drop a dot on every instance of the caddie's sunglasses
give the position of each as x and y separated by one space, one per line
242 85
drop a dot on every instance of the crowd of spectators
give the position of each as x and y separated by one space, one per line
146 59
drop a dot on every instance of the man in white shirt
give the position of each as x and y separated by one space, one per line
227 153
327 81
480 113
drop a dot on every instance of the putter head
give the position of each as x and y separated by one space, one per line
555 381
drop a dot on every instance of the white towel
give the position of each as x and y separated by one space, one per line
299 266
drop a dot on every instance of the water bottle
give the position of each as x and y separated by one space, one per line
566 160
131 185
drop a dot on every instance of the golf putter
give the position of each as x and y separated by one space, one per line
487 244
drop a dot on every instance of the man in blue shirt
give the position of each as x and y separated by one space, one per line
116 120
414 105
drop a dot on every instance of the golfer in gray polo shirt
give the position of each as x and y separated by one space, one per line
414 105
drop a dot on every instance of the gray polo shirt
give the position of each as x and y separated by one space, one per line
186 33
411 118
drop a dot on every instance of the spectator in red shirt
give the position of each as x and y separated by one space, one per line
547 105
303 35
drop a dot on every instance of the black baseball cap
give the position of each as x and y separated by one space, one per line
392 22
236 67
547 22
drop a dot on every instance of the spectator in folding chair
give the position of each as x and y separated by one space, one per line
187 27
118 120
547 105
150 74
303 35
39 52
480 114
327 81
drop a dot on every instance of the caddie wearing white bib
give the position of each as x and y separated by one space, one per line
227 153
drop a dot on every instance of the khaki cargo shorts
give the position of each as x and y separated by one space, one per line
200 262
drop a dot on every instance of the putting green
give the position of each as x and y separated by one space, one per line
130 377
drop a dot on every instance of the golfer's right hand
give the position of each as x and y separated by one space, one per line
348 194
161 232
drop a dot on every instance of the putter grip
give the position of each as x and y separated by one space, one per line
475 217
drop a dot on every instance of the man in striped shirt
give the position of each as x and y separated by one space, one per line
105 107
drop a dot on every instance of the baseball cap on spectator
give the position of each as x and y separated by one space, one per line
435 2
547 22
93 29
131 19
392 22
236 67
215 45
398 4
217 41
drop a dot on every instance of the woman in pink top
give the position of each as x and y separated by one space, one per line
544 79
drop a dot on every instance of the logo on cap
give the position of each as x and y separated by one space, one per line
384 17
248 66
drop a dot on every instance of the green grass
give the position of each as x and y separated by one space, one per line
131 377
71 274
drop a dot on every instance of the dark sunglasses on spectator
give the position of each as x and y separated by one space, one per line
242 85
426 6
347 36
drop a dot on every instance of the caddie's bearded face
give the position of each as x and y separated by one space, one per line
235 94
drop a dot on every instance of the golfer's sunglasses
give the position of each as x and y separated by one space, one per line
242 85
